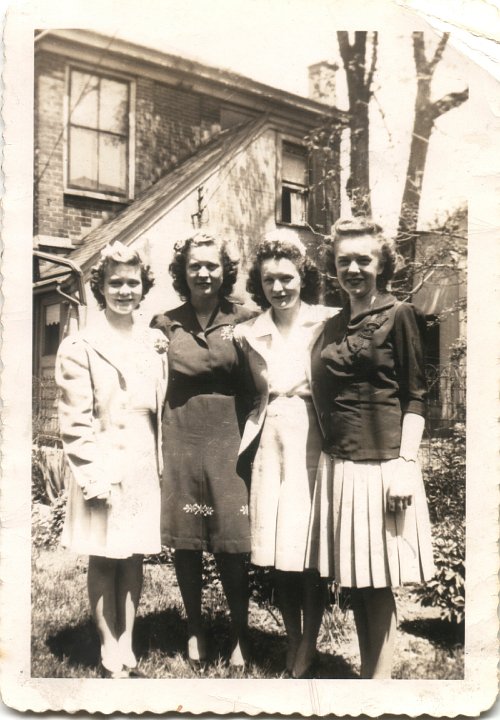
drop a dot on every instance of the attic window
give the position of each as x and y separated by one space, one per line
98 134
294 185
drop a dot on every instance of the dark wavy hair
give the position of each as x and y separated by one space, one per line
118 254
357 227
274 247
177 267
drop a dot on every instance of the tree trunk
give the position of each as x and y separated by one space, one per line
359 89
426 113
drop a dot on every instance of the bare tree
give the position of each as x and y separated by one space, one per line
426 114
359 87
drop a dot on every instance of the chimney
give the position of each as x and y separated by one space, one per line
322 82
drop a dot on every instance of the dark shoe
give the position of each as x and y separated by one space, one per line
310 672
134 672
104 672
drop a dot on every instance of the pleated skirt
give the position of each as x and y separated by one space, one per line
283 476
354 538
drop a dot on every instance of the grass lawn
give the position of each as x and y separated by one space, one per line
65 644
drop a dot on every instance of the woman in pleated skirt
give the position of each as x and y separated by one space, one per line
369 527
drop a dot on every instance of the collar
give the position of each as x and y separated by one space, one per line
382 302
185 317
264 325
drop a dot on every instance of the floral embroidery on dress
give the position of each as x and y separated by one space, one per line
227 332
244 509
161 345
197 509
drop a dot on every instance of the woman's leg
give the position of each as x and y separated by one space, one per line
129 575
362 629
313 605
289 595
188 569
233 569
382 623
101 584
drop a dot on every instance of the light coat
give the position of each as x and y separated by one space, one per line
254 336
93 401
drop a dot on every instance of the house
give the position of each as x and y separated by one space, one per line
137 145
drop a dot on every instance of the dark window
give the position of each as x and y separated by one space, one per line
98 133
294 185
51 328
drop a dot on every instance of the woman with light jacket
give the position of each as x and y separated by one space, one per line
112 380
285 430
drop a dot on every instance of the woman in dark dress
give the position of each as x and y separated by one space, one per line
370 527
204 497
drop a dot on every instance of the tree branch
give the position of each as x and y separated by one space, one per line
344 46
419 52
448 102
439 52
374 61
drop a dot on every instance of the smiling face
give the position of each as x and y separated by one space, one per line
204 273
122 288
358 264
281 282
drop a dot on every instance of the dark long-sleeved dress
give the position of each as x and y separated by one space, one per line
204 494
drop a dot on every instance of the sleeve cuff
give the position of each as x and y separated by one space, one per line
94 489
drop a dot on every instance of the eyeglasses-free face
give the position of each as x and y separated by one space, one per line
281 282
122 288
204 272
358 264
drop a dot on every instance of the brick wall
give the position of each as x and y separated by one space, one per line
170 123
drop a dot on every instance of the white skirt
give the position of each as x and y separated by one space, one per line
283 477
355 539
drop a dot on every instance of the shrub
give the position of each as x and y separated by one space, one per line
444 477
47 522
446 590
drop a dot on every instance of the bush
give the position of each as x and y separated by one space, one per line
47 522
444 477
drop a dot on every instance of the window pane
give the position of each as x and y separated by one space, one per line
293 206
293 168
84 99
83 158
113 108
297 208
112 164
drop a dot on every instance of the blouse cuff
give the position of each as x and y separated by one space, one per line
415 406
94 489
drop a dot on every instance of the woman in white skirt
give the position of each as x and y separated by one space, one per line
285 428
370 527
112 377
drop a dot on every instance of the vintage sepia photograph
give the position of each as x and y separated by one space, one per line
253 241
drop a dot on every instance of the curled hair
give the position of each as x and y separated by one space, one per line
118 254
275 247
177 267
358 227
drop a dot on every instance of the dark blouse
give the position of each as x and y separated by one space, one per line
202 362
369 371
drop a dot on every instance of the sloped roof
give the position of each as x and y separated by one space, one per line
187 70
167 192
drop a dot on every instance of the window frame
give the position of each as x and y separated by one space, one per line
281 183
97 194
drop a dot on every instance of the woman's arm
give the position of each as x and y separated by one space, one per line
409 328
76 421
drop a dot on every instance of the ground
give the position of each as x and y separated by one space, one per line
64 642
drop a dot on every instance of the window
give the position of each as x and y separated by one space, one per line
294 184
98 139
51 329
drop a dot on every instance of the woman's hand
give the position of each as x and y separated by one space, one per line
401 488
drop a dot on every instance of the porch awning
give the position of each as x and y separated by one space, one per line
437 294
